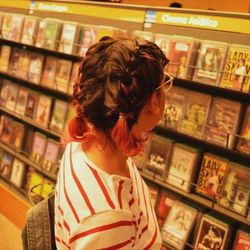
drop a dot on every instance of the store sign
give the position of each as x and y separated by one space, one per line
107 12
52 7
203 21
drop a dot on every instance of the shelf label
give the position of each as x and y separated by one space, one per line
120 13
231 24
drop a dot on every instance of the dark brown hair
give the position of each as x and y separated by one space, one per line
114 80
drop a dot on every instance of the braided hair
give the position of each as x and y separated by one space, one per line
114 78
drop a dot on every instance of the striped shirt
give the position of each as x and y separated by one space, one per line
96 210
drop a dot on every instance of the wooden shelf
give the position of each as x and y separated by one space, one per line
13 206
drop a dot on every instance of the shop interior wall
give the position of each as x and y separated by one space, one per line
221 5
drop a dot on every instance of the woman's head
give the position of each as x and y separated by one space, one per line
116 79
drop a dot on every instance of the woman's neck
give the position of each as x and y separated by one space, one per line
107 157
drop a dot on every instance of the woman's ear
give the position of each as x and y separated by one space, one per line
153 104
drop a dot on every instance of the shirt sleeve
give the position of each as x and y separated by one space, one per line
113 229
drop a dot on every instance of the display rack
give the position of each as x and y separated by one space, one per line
228 27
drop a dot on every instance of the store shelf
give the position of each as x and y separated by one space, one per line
213 90
23 157
43 51
206 146
39 88
31 122
199 199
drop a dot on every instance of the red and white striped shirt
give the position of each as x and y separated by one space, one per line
96 210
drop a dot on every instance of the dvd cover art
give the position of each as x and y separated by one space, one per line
5 52
6 164
236 190
31 106
223 122
21 102
175 106
38 147
180 53
50 155
243 144
164 204
198 105
63 75
59 116
236 73
212 176
48 33
49 72
158 156
178 225
73 77
23 64
17 135
7 26
35 67
182 166
30 26
17 26
6 128
242 240
212 234
12 26
17 172
5 92
87 37
210 62
43 111
69 36
14 63
12 97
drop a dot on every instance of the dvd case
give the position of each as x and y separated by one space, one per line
236 73
17 172
182 166
210 62
243 143
87 37
236 190
69 37
197 108
223 122
30 26
212 234
5 52
43 111
38 147
158 157
178 225
212 176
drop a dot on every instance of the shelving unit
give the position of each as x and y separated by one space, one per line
133 18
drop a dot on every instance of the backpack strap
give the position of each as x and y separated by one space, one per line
39 227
